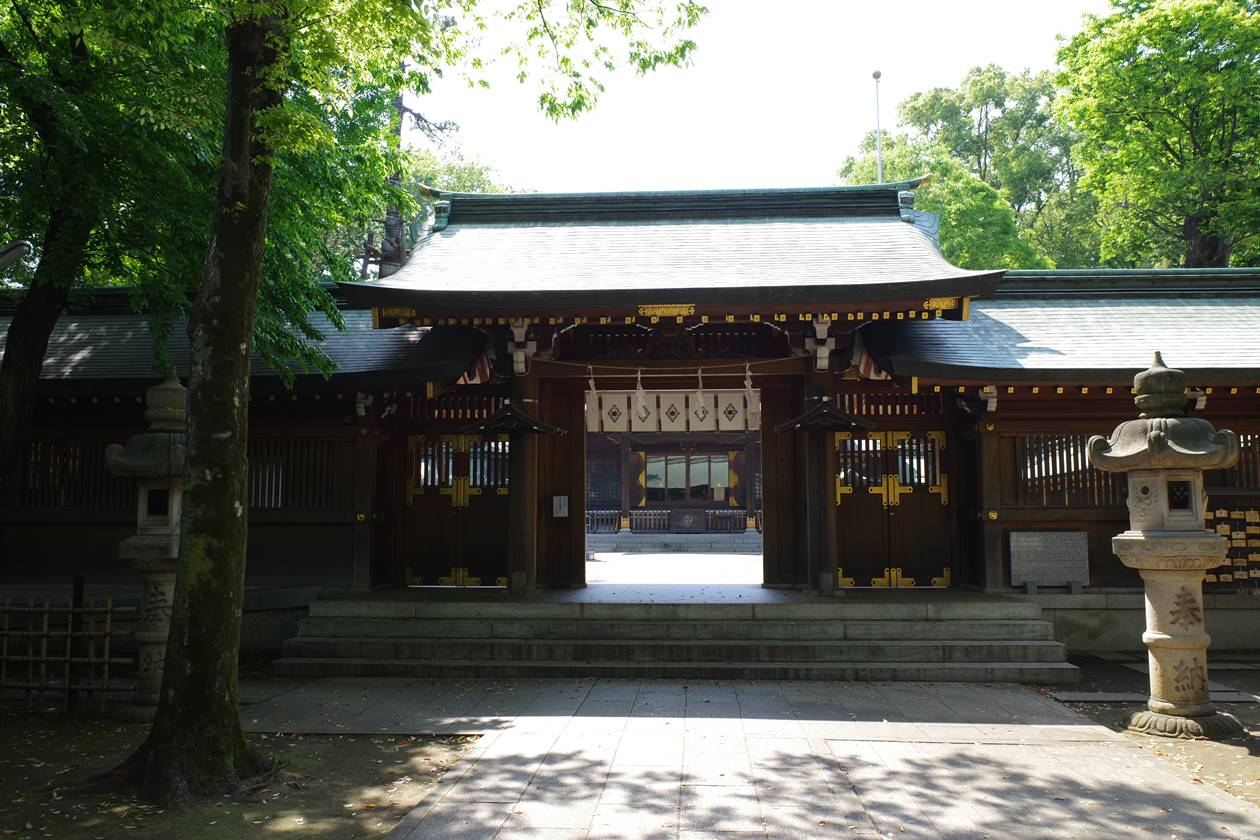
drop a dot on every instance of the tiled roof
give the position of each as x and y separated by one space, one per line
1103 338
119 347
832 244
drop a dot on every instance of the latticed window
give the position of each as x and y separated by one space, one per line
434 463
489 463
1053 471
1245 475
297 474
603 480
72 474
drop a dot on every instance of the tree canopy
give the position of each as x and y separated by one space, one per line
1164 96
979 228
1001 127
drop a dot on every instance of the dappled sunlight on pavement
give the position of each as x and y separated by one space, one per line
687 760
674 569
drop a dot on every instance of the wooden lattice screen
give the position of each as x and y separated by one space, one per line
71 474
1245 475
1053 471
296 474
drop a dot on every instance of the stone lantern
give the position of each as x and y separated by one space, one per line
156 458
1164 454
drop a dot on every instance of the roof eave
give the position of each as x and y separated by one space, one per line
439 301
906 366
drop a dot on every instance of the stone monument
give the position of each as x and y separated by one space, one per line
1164 453
156 458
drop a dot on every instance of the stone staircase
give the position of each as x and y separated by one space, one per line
983 639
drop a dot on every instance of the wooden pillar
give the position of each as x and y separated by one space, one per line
623 522
783 544
990 493
562 472
523 495
820 520
365 459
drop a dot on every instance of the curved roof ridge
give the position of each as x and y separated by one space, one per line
852 200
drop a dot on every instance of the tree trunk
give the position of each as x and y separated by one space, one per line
60 264
394 240
1204 250
196 746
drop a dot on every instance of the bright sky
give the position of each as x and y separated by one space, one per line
780 92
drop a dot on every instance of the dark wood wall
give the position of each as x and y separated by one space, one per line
562 472
782 476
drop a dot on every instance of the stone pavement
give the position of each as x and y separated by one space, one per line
561 759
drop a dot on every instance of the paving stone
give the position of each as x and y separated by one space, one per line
771 760
717 808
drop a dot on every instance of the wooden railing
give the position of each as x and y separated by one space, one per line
649 521
657 521
725 521
603 521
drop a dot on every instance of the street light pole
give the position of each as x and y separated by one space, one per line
879 146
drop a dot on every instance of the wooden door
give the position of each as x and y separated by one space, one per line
456 510
892 502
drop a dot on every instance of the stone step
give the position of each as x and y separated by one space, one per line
664 651
768 629
1041 673
833 609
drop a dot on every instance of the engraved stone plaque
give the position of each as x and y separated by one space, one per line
1049 558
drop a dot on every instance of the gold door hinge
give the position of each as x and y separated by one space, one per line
459 577
881 491
893 579
460 443
941 489
897 490
841 580
944 579
842 490
891 490
460 491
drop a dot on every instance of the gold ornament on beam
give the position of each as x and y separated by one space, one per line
667 310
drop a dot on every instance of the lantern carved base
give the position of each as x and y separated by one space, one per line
154 558
1214 727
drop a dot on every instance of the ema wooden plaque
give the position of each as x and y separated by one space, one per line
1049 558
